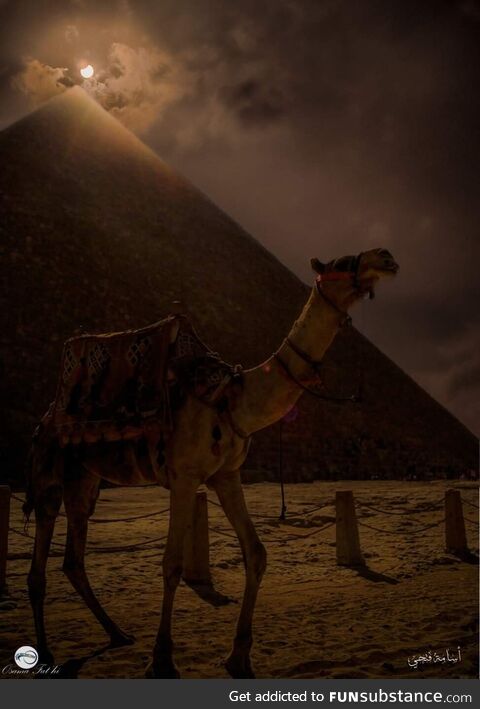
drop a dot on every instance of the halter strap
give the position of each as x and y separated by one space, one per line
314 363
350 275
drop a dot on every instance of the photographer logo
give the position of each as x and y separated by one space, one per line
28 663
26 657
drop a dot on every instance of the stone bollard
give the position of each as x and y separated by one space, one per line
196 553
347 537
455 536
4 524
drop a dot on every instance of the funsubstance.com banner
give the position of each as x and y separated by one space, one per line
225 694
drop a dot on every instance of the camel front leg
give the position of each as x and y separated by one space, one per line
182 499
230 494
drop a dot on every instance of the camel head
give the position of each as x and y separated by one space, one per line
345 280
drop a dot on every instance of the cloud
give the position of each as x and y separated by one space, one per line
138 85
41 82
254 103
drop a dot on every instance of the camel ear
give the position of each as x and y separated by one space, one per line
317 265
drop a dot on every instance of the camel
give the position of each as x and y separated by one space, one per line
269 391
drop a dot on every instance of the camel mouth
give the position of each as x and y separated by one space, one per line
387 270
390 270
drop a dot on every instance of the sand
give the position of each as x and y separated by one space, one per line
313 618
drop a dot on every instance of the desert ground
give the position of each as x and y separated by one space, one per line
313 618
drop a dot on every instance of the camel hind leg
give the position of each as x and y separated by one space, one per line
47 504
81 492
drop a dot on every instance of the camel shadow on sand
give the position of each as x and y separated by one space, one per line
208 593
71 668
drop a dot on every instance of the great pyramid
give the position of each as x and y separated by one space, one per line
97 233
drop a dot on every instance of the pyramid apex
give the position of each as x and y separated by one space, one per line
74 95
76 118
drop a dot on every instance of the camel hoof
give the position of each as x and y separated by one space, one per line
239 669
169 671
121 639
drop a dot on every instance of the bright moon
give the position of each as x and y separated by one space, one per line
87 71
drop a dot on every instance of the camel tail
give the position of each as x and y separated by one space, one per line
29 503
37 460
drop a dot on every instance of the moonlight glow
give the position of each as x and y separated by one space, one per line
87 71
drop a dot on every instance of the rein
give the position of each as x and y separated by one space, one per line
315 366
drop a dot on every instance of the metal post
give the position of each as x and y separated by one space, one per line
347 537
196 555
4 525
455 536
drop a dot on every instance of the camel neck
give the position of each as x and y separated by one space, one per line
269 392
316 327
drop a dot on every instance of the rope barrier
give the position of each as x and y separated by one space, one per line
405 532
224 534
293 537
127 547
431 508
413 531
95 520
470 504
319 507
29 536
129 519
15 556
259 515
14 497
309 534
252 514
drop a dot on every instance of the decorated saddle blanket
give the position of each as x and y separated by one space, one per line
125 385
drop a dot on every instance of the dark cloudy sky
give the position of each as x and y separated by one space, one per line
325 127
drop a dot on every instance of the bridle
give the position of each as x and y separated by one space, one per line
349 274
345 320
